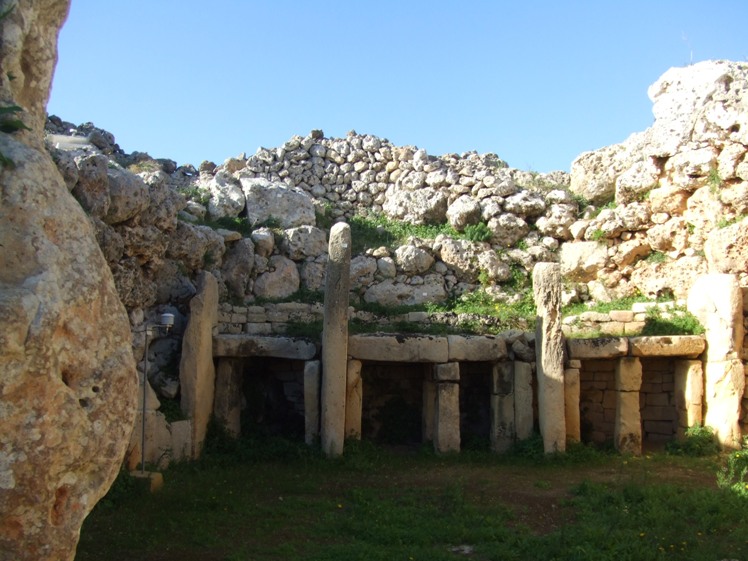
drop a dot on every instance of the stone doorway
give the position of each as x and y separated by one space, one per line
475 404
392 408
273 397
657 402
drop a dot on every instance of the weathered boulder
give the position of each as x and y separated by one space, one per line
413 260
304 241
464 211
581 261
226 196
280 281
276 201
68 389
128 195
421 206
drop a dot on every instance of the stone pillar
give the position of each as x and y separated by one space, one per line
502 407
311 401
227 407
549 353
523 412
428 418
717 301
689 393
197 375
627 433
571 402
447 418
335 340
354 400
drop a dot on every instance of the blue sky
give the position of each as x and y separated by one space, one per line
536 82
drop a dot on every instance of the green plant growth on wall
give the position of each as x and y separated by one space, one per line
676 321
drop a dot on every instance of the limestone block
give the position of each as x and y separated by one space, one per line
549 350
246 345
449 372
716 300
157 440
502 378
181 440
689 392
196 371
628 374
597 348
689 346
523 411
621 315
723 391
353 400
335 340
311 401
571 404
399 348
627 433
447 419
502 432
227 406
476 348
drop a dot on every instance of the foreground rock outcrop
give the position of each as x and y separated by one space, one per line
68 385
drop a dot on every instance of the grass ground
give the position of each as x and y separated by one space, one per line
376 504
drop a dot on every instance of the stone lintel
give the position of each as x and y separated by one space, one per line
398 348
252 345
610 347
689 346
476 348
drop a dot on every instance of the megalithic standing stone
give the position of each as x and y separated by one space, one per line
549 353
335 340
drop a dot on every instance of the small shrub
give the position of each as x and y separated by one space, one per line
699 441
714 181
478 232
656 257
597 235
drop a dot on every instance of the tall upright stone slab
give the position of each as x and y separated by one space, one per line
311 401
428 418
571 404
335 340
502 430
447 418
689 394
717 301
523 410
197 375
549 352
627 432
354 400
227 407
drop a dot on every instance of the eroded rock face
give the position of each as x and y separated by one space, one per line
68 385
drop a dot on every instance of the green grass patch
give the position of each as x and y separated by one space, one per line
269 500
676 321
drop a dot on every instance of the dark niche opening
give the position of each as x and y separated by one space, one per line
273 398
597 401
475 405
392 408
657 402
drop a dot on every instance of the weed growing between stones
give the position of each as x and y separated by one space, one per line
734 475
